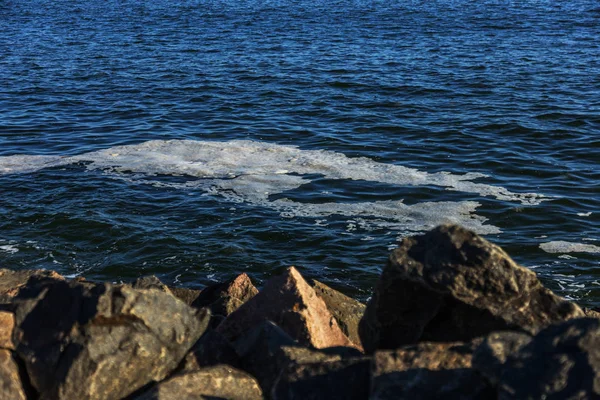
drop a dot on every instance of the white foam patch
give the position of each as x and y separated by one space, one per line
9 248
251 171
569 247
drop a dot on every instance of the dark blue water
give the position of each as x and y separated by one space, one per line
403 114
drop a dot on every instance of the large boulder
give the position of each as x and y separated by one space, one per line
12 281
188 296
346 310
11 387
560 362
101 341
293 305
217 382
452 285
428 371
211 349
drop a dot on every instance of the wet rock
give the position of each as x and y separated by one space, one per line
218 382
496 348
11 387
343 379
101 341
12 281
7 325
428 371
346 311
561 362
211 349
224 298
293 305
452 285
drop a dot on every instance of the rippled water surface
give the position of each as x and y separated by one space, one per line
197 139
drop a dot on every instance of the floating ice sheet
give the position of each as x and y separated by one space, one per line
252 171
560 246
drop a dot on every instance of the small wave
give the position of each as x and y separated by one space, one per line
569 247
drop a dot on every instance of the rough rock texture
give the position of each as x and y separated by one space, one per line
428 371
10 381
75 339
211 349
561 362
490 356
452 285
346 311
343 379
218 382
7 325
11 281
591 313
224 298
293 305
188 296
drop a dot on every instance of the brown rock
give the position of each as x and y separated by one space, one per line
591 313
346 311
7 324
11 387
496 348
293 305
224 298
428 371
12 281
188 296
343 379
452 285
101 341
218 382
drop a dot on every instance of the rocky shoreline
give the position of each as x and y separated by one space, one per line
452 316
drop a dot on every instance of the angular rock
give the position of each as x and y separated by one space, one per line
101 341
211 349
346 311
224 298
7 325
218 382
428 371
11 387
267 350
560 362
452 285
343 379
150 282
293 305
188 296
12 281
496 348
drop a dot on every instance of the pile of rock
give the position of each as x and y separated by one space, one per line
452 316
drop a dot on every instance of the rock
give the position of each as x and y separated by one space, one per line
7 325
293 305
211 349
428 371
452 285
560 362
224 298
102 341
591 313
346 311
11 387
188 296
343 379
218 382
12 281
490 356
267 350
150 282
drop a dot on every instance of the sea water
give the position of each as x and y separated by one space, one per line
198 139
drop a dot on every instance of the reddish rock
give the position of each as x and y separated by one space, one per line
11 387
293 305
224 298
7 324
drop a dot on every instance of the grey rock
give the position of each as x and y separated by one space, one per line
150 282
217 382
211 349
346 311
428 371
496 348
560 362
452 285
342 379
